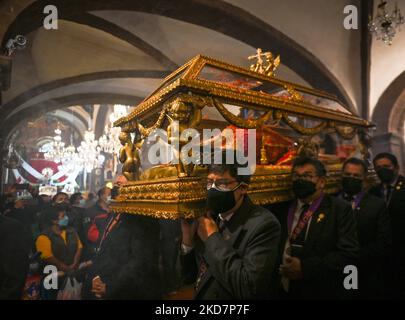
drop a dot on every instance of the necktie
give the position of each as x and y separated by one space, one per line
111 224
203 267
301 237
388 194
288 251
304 209
221 224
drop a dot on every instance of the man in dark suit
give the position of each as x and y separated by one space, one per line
14 250
373 228
392 190
318 237
234 251
125 266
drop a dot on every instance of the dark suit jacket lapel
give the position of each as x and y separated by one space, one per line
317 222
398 189
380 192
234 227
233 231
283 219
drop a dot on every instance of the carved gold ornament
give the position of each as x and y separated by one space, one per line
294 95
239 121
266 63
320 217
184 197
172 191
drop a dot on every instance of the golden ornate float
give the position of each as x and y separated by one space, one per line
206 93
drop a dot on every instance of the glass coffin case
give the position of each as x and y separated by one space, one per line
207 95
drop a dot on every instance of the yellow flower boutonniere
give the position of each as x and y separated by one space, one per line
320 217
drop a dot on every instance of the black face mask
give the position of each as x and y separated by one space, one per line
386 175
351 186
220 201
303 188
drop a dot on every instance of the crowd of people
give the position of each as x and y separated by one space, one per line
299 249
348 245
72 234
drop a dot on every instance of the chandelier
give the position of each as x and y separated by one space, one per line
384 26
56 148
89 152
87 156
70 159
109 142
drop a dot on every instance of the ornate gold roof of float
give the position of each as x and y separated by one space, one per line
172 191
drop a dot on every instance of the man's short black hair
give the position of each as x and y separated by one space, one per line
232 169
318 165
386 155
51 214
58 194
357 162
75 196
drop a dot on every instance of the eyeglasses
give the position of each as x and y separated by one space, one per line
306 176
221 184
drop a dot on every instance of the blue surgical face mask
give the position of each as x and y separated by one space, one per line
64 221
82 203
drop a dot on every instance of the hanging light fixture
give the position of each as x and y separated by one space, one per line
109 141
87 156
70 157
384 26
89 152
57 146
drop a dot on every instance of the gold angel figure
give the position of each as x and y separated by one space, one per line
129 157
272 64
181 116
307 148
266 63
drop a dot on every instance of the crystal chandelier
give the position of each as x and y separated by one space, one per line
87 156
109 141
89 152
384 26
57 148
70 160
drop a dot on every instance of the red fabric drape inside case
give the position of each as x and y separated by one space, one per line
278 147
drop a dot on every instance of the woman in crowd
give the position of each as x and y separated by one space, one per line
59 245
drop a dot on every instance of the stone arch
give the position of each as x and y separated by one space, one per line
216 15
57 103
389 118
